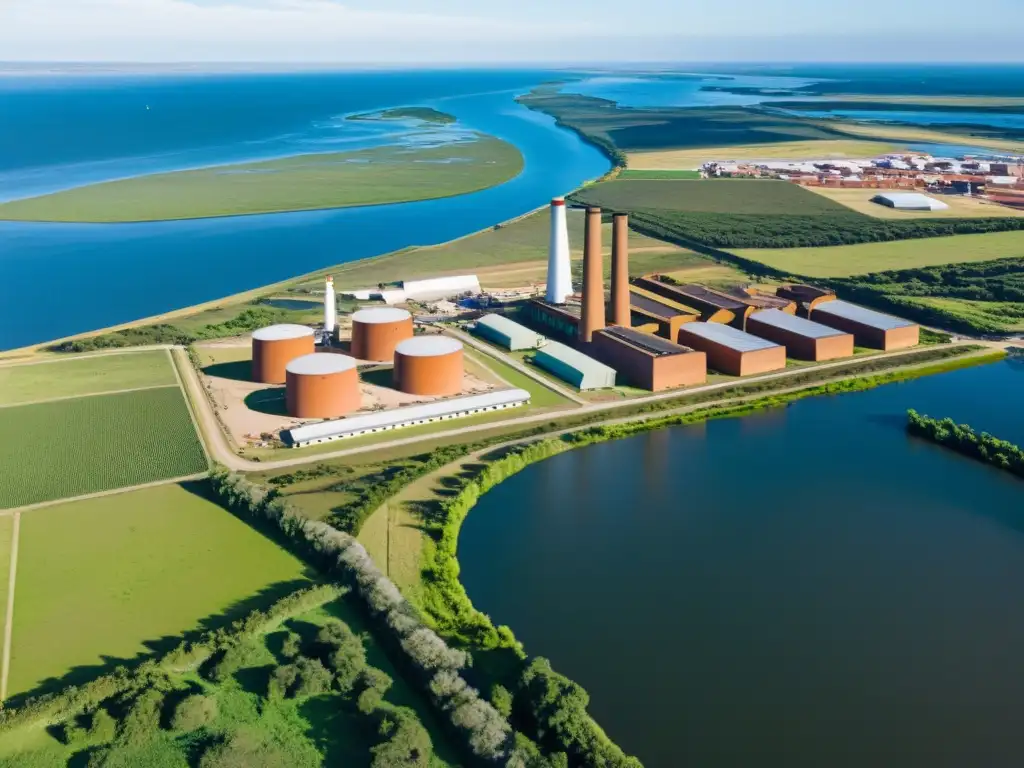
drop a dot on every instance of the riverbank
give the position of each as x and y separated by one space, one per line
365 177
967 441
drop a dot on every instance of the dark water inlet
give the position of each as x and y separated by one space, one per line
803 587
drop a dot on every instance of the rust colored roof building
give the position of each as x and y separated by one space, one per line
870 328
759 300
429 365
274 347
713 307
647 307
732 351
803 339
648 362
322 386
377 331
807 296
560 321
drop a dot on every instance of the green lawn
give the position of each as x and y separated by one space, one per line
661 175
104 579
303 182
846 260
97 443
84 376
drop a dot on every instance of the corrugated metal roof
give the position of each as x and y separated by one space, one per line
806 328
281 332
727 336
441 287
863 315
574 358
519 335
384 419
320 364
911 201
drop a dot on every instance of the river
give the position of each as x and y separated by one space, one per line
803 587
61 279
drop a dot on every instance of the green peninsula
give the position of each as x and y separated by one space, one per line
392 174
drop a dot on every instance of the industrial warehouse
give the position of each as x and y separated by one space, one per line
870 328
733 351
803 339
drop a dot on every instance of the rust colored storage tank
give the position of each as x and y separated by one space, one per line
322 386
429 365
274 347
377 331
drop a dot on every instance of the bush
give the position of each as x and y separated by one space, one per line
142 719
245 749
406 742
501 698
968 441
342 652
291 646
102 727
193 712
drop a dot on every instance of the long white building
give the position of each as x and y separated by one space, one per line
412 415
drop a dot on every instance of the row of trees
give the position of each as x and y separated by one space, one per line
431 662
968 441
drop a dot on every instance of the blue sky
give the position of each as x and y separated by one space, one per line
550 31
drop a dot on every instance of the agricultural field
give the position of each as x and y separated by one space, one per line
960 207
659 175
847 260
73 447
104 580
84 376
821 149
372 176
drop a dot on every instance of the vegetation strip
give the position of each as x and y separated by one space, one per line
9 613
968 441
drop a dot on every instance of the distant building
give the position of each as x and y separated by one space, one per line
909 201
732 351
870 328
803 339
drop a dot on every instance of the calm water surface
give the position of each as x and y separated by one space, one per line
804 587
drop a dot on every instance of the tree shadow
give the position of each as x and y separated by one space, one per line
335 731
255 680
269 401
237 371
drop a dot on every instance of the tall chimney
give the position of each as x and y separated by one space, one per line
593 278
559 268
620 270
330 307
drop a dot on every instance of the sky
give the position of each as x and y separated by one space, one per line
488 31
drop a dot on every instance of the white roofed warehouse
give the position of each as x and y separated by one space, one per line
507 333
732 351
876 330
909 201
803 339
574 367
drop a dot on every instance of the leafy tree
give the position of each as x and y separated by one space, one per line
193 712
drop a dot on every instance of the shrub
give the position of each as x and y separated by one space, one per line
291 646
245 749
501 698
342 652
142 719
102 727
193 712
406 742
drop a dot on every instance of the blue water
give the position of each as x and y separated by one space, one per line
682 91
61 279
998 120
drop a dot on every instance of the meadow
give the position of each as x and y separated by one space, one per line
84 376
96 443
305 182
960 207
847 260
821 149
110 579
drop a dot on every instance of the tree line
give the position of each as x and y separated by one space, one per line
967 441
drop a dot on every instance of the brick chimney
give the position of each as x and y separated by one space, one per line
620 270
593 278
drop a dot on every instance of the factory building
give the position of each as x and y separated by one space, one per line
909 201
377 331
732 351
412 415
507 333
713 307
870 328
322 386
574 367
666 316
429 365
803 339
760 301
559 321
807 297
649 362
276 346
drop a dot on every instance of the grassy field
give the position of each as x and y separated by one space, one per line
96 443
821 149
846 260
84 376
659 174
859 200
110 578
730 196
915 134
304 182
1008 315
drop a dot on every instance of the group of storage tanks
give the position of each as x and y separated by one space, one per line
324 385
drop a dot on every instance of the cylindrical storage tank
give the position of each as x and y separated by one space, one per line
429 365
274 347
322 386
377 331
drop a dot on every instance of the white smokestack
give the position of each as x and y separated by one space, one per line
559 269
330 308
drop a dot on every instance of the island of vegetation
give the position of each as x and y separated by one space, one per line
423 114
375 176
966 440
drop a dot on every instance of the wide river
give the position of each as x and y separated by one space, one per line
58 131
803 587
